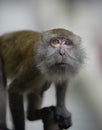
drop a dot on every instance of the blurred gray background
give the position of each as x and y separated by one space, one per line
84 17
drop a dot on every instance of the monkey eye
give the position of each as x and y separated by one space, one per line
55 42
68 43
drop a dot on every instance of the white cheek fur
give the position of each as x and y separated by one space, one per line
47 58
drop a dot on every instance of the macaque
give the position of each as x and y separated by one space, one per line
2 97
33 60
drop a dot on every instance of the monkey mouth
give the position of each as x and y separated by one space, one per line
61 64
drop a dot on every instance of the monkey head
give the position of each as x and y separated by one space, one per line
59 54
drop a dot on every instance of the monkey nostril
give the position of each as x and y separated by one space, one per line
61 52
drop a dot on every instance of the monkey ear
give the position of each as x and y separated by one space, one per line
77 40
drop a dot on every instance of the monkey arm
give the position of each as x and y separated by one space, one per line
2 107
35 101
2 97
60 94
63 116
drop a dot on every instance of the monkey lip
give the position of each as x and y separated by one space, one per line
61 64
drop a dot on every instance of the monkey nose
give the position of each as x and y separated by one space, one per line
62 52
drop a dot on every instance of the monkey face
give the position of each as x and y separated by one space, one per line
60 55
61 45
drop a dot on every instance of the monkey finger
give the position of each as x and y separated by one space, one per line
64 122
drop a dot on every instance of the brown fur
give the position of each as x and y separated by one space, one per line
17 51
56 31
32 64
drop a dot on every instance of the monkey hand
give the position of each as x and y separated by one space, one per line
49 119
63 117
48 112
43 114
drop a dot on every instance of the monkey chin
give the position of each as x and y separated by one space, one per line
59 73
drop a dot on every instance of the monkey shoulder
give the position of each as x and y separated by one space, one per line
17 50
21 41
